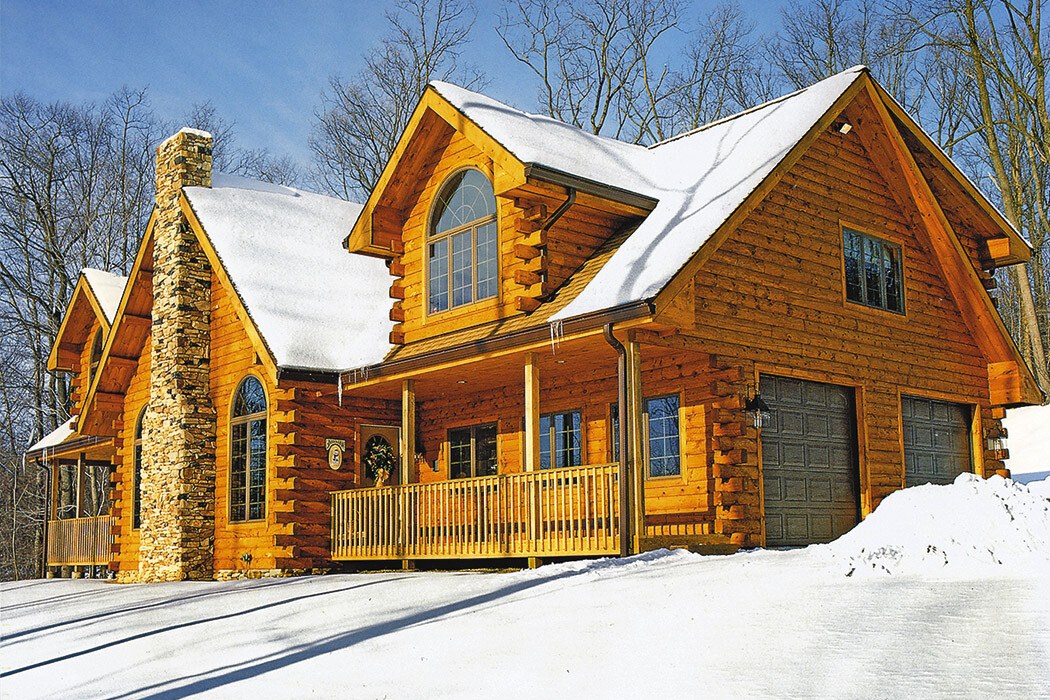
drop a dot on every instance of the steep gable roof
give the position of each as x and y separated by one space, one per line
96 295
698 179
107 288
314 306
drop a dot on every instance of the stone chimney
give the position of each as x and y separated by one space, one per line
178 465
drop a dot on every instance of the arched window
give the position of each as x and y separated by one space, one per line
136 507
248 452
462 248
96 355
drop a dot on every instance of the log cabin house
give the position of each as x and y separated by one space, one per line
560 344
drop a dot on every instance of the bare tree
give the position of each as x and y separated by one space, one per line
228 157
362 117
997 45
722 73
596 61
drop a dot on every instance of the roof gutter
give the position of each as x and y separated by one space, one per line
77 445
526 336
591 187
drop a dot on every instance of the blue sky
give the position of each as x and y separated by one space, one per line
262 64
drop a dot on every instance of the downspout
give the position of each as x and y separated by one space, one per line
621 410
562 208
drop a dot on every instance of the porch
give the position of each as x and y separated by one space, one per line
80 541
571 511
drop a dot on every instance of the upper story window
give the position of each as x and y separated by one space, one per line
248 452
873 271
95 357
462 246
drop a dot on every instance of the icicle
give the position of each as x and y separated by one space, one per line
556 333
340 390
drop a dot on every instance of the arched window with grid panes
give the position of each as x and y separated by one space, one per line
248 452
463 246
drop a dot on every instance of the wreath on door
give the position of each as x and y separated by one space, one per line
379 459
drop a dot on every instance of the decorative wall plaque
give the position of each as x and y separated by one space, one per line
335 452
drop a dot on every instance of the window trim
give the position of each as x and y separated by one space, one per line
613 436
863 233
137 444
247 419
473 428
472 226
550 434
95 356
645 437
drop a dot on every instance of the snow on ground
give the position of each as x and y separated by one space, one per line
1028 440
663 624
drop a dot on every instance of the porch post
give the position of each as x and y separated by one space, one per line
532 413
79 513
637 444
408 463
408 429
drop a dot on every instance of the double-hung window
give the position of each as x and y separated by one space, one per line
560 440
462 248
873 271
661 421
472 451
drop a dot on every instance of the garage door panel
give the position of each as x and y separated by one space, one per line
810 476
936 440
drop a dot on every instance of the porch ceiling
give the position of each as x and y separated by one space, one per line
577 357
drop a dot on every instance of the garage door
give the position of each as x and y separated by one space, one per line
936 441
809 461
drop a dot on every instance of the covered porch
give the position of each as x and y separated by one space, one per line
79 530
551 482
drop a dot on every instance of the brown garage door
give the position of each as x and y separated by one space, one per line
936 441
809 461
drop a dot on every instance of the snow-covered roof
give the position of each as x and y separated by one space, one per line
698 179
57 436
108 289
315 306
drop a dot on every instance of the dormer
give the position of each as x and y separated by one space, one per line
474 232
85 325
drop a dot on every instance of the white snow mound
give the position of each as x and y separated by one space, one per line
974 526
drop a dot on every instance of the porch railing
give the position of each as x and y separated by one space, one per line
554 512
79 541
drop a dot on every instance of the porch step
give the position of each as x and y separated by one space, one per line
698 544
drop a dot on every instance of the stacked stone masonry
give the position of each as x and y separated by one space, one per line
178 471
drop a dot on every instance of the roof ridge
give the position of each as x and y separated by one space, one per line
750 110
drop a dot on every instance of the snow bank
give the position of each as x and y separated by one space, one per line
972 527
1029 442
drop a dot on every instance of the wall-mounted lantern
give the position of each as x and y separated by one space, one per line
995 441
757 412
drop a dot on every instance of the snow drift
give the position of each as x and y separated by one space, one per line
973 527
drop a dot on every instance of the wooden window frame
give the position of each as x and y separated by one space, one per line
472 226
247 420
550 437
136 472
865 236
94 357
473 428
613 433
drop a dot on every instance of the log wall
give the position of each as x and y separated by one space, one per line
772 298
